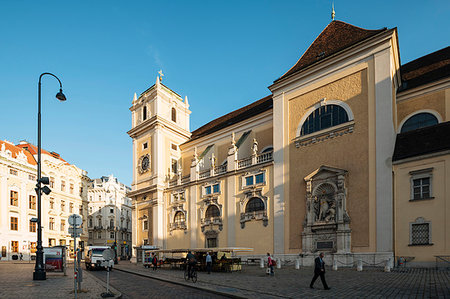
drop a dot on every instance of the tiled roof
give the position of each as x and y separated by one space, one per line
335 37
33 150
15 151
426 69
422 141
234 117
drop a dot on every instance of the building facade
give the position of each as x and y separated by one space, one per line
109 215
18 200
311 167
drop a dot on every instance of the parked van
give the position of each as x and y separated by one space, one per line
94 258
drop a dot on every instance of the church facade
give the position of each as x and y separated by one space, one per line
335 159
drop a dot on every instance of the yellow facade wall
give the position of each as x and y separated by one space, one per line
431 101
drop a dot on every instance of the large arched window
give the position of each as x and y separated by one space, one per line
174 115
418 121
324 117
212 211
254 204
179 217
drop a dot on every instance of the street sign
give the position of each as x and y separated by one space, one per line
75 230
75 220
108 254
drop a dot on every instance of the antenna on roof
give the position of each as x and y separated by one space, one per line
333 13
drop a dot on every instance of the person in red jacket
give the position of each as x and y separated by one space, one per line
270 264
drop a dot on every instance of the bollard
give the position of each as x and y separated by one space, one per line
278 263
297 264
335 266
261 263
360 266
388 265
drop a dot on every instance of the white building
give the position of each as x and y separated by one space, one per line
109 219
18 200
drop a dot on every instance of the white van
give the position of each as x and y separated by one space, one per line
94 258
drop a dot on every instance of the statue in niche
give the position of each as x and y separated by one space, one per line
324 209
255 146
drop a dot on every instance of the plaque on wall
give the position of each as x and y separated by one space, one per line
324 245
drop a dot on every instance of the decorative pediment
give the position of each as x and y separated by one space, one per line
324 172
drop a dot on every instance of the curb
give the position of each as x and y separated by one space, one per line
102 284
184 284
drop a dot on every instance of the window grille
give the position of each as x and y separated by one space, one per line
324 117
420 234
254 204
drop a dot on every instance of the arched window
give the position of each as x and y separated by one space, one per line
212 211
179 217
174 115
144 113
254 204
268 149
324 117
418 121
111 223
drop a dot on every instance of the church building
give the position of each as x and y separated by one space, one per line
349 154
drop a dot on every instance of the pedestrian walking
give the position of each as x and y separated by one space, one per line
319 270
270 264
21 256
155 262
208 263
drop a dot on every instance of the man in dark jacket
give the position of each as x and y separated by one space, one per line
319 270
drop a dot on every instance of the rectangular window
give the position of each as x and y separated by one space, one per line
15 246
32 202
145 224
208 190
80 210
111 235
216 188
52 203
174 165
33 247
91 235
70 207
52 182
421 188
111 210
254 179
63 186
62 242
259 178
13 171
14 198
99 235
420 234
249 181
63 225
32 227
71 188
31 177
14 223
51 223
90 222
63 205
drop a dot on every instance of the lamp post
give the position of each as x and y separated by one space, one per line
39 270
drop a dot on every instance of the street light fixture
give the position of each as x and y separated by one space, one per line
39 270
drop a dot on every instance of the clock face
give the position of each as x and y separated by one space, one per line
145 163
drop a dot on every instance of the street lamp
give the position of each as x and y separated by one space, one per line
39 270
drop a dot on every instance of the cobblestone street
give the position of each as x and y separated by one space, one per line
16 281
252 282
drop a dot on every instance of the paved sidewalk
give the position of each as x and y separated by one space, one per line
16 281
252 282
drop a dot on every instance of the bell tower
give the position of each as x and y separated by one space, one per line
160 123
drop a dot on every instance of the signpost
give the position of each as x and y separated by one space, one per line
75 231
108 256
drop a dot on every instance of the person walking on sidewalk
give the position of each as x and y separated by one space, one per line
208 263
319 270
270 264
155 262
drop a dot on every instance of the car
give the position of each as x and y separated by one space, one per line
94 258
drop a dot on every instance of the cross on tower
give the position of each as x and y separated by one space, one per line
160 75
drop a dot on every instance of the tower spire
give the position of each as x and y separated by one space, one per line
333 13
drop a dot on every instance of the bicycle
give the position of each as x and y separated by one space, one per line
193 274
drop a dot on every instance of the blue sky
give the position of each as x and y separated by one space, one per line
221 54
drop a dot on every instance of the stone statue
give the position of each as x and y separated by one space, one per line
255 146
233 140
213 161
3 147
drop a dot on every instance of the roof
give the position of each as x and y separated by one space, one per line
426 69
234 117
15 150
422 141
33 150
336 37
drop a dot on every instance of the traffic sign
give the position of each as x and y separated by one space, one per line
75 220
108 254
75 230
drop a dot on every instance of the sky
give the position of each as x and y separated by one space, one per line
222 55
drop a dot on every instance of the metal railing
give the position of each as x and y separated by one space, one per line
186 179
